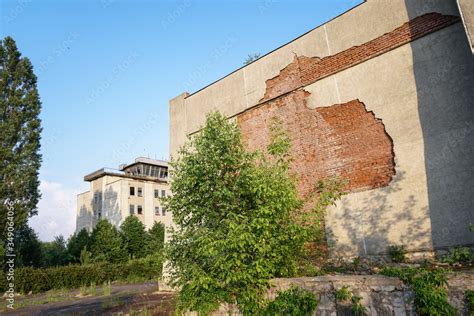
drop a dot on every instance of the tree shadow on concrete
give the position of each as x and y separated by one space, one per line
101 206
378 221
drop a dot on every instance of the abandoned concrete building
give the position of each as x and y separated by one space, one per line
382 96
134 189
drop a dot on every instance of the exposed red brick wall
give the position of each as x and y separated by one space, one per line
306 70
343 140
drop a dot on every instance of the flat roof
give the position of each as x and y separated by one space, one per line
148 161
118 173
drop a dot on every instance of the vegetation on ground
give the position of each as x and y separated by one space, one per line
343 294
430 287
294 301
397 253
37 280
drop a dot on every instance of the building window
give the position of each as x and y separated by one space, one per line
157 211
132 191
139 192
163 193
156 194
139 210
132 209
163 211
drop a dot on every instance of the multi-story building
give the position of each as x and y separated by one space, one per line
134 189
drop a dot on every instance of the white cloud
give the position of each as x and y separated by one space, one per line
56 211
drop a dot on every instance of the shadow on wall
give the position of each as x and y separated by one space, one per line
444 76
106 205
370 234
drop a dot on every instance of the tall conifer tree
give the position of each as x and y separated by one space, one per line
20 127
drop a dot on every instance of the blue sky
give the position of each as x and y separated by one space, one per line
107 69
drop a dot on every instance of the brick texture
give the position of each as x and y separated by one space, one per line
343 140
306 70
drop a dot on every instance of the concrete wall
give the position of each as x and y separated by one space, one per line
380 295
420 89
115 200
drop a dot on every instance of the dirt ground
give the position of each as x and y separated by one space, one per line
127 299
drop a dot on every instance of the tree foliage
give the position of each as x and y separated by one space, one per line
156 238
27 248
134 237
20 127
54 253
234 231
76 243
106 243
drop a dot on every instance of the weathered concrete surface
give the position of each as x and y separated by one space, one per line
380 295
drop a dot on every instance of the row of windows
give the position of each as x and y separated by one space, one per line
140 210
140 192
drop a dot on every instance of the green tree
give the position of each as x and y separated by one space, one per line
20 128
76 243
106 243
27 248
232 211
156 238
134 237
54 253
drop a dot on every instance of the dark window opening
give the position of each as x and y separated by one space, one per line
139 210
132 209
132 191
157 211
139 193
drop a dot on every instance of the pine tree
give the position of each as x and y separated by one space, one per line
20 128
134 237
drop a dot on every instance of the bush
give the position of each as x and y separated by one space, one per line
397 252
470 302
431 297
343 294
295 301
458 255
74 276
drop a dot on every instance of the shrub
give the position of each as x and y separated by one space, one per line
431 297
343 294
237 216
458 255
294 301
470 302
357 307
397 252
75 276
232 212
